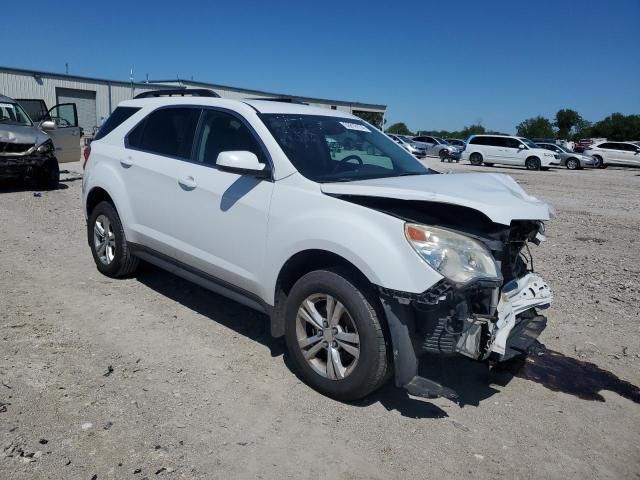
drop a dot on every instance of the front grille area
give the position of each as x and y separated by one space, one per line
9 147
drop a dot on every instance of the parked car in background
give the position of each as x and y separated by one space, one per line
65 133
362 262
508 150
436 146
615 153
25 149
456 142
414 148
569 158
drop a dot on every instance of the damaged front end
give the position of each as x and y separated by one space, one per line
484 319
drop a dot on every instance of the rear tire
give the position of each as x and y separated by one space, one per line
326 362
108 244
599 161
475 159
48 177
532 163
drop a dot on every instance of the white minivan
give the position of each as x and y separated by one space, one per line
507 150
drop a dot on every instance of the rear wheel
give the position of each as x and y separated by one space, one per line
48 177
334 335
475 159
573 164
532 163
108 243
599 161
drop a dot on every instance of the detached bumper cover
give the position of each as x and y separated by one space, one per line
517 297
443 322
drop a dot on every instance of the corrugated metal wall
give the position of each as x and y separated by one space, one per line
18 84
24 85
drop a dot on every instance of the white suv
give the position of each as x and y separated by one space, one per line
362 257
614 153
506 150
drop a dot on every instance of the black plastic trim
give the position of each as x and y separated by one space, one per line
201 278
179 92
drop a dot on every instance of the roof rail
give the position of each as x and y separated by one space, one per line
179 92
280 99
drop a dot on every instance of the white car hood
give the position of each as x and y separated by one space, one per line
496 195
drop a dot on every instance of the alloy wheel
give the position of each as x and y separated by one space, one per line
327 336
104 239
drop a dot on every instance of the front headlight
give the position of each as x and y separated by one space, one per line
457 257
46 147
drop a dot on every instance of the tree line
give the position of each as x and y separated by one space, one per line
567 125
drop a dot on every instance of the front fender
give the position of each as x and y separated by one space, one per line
306 219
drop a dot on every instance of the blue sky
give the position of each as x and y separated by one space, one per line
437 65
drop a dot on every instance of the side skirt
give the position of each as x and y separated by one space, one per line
200 278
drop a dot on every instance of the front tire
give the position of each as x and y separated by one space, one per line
334 335
532 163
108 244
573 164
475 159
444 155
48 177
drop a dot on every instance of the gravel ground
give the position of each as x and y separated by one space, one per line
153 377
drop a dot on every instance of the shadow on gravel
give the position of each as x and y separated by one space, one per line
13 186
560 373
470 379
232 315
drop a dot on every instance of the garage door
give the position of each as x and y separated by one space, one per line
85 101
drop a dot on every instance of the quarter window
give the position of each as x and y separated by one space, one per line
223 132
118 116
168 131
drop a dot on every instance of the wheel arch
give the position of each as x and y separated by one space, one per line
300 264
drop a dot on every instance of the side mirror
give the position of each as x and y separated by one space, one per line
243 163
522 146
48 125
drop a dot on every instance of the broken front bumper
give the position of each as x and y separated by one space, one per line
479 322
11 167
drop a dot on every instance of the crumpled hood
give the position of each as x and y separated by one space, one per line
21 134
496 195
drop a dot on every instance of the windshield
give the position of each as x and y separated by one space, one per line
13 114
441 140
564 149
334 149
529 143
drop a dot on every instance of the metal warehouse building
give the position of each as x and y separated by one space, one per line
96 98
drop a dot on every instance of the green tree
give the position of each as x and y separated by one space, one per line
566 120
538 127
399 129
617 127
471 130
374 118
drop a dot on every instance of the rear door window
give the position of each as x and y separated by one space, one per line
167 131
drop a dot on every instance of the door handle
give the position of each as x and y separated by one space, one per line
187 183
126 162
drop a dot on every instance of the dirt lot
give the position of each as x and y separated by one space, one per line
154 377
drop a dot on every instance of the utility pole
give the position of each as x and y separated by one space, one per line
66 68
